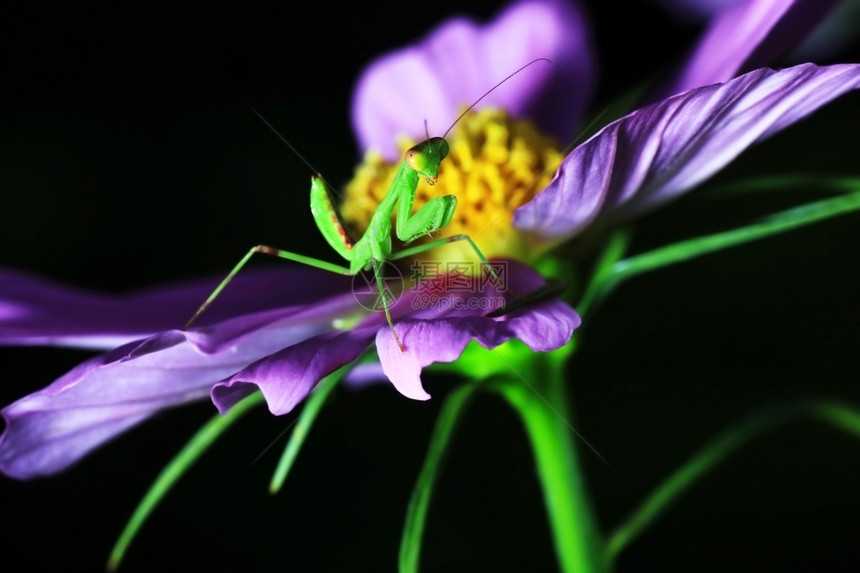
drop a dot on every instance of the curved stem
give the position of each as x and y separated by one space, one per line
542 406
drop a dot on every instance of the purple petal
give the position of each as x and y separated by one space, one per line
664 149
542 327
36 311
286 377
51 429
459 61
746 35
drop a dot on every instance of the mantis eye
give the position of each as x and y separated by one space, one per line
415 159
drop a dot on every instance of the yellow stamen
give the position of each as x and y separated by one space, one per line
495 164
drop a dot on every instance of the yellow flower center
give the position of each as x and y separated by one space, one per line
495 164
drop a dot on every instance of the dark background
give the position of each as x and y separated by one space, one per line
128 157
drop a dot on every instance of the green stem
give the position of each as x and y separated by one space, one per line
542 406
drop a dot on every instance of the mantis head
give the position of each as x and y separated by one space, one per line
426 157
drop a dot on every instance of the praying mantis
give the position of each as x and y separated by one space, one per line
374 248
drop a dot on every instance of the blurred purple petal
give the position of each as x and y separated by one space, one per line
36 311
744 36
51 429
459 61
664 149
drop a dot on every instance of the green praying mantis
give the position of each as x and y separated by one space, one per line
374 248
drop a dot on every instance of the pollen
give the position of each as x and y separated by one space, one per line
495 164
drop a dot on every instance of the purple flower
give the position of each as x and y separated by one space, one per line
279 344
282 331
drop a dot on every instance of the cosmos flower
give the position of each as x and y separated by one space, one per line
283 347
282 331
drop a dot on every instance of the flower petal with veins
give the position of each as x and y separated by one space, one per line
667 148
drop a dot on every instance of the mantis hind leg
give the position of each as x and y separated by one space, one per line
266 250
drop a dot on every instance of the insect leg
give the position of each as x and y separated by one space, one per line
266 250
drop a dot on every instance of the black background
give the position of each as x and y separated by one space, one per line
128 157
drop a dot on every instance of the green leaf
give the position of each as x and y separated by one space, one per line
416 513
602 276
784 182
840 415
175 469
310 411
698 246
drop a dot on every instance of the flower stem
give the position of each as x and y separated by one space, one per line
542 406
